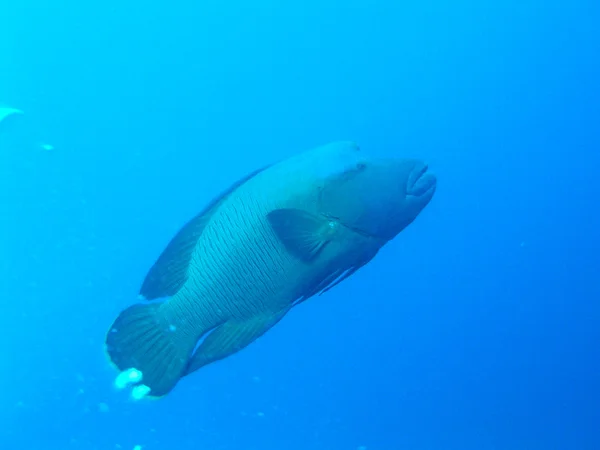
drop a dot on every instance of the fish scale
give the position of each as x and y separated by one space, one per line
251 252
237 245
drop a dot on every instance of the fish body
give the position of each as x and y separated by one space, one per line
6 111
274 239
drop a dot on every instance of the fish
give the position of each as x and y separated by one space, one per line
279 236
7 111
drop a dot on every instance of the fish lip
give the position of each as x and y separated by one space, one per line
420 182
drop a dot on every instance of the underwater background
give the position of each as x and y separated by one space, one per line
477 328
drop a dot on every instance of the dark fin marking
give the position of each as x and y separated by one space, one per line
351 271
320 286
169 272
140 339
231 337
333 279
304 235
341 278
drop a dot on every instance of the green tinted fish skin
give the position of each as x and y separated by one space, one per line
276 238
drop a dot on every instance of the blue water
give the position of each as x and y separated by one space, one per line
477 328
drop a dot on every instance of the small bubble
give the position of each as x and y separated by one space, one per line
127 377
134 375
139 392
103 407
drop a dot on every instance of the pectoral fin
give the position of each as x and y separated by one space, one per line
231 337
303 234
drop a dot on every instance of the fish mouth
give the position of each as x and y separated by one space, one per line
420 181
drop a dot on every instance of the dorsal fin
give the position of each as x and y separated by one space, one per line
169 272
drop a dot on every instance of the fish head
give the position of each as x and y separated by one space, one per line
327 164
378 197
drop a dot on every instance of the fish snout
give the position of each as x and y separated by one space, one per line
420 182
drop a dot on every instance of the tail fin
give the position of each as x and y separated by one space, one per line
141 340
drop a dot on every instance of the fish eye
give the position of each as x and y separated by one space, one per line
352 169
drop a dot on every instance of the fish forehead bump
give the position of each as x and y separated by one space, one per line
329 160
